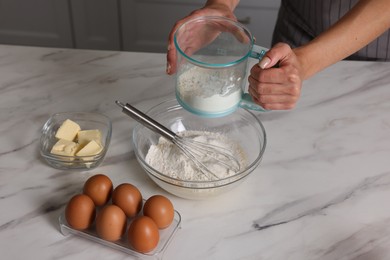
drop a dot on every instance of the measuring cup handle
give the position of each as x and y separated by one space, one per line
258 52
246 100
247 103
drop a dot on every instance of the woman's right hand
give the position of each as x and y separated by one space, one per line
210 9
275 83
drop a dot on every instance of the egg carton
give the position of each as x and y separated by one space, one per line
166 236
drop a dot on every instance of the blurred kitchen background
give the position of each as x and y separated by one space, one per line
127 25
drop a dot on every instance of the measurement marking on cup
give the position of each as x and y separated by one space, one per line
221 52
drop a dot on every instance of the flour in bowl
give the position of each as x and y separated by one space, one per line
168 159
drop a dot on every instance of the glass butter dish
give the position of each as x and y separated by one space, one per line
86 121
166 236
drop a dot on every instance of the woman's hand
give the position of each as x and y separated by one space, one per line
207 10
275 83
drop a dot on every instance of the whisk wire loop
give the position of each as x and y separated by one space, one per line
198 152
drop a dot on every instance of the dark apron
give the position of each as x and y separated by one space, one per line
299 21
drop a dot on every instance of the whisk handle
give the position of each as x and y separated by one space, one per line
146 120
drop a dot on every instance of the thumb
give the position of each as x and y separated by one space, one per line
274 55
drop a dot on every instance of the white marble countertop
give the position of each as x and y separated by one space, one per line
321 192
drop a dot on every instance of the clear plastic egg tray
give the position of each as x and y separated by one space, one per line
166 236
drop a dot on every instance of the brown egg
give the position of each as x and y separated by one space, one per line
110 223
143 234
80 212
160 209
128 198
98 188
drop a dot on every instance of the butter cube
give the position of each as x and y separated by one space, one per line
86 136
65 147
92 148
68 130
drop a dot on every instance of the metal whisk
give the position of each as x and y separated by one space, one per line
194 150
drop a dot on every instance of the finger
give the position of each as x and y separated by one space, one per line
171 49
274 105
171 60
171 52
273 102
272 57
278 106
276 89
253 92
274 75
273 98
277 99
273 88
271 75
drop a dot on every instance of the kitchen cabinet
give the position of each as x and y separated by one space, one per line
84 24
96 24
38 22
147 23
129 25
260 18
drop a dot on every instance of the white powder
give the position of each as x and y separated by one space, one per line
167 158
210 90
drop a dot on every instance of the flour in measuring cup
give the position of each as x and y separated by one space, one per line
168 159
210 90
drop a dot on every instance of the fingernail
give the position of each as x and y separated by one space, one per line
264 62
168 70
169 47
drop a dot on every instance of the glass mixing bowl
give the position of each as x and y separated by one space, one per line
242 127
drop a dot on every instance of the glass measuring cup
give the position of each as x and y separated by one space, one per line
212 61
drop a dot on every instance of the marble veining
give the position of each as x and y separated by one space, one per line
321 191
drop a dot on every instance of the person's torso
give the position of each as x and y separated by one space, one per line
300 21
